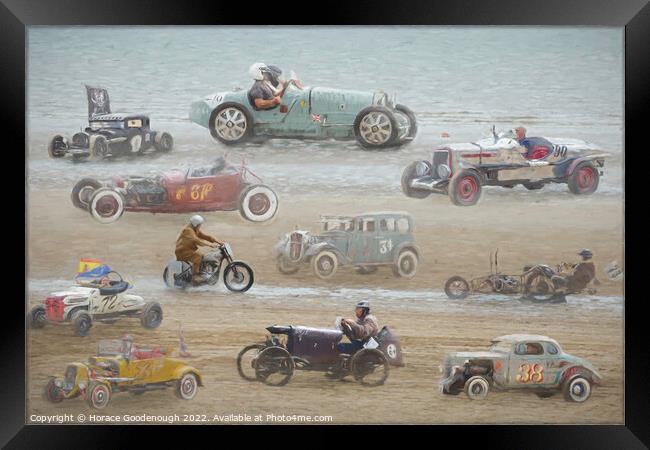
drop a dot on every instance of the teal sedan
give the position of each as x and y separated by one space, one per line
372 118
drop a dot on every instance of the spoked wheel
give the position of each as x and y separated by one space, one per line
258 203
584 179
325 264
246 361
98 395
465 188
230 123
406 265
187 386
274 366
457 288
376 127
177 279
539 287
370 367
238 276
106 205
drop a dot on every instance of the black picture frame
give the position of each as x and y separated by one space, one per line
634 15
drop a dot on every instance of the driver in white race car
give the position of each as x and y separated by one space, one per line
360 330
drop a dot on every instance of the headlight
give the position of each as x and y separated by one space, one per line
80 139
443 171
421 169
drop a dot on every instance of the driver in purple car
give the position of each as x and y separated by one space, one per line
359 330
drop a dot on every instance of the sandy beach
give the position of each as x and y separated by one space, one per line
217 324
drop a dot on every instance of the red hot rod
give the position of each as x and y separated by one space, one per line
219 187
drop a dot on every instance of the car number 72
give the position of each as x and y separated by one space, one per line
108 303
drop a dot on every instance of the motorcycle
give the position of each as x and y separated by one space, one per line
536 283
237 275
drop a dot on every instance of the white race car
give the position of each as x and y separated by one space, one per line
461 170
83 304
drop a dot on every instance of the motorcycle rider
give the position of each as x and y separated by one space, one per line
188 243
580 276
267 90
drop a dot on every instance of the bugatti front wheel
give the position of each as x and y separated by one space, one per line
376 127
230 123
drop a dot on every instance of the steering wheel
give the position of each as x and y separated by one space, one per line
114 276
295 83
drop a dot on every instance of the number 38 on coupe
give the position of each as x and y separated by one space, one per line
519 361
461 170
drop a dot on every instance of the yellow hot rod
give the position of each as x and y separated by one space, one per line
121 366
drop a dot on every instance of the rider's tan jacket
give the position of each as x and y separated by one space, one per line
188 242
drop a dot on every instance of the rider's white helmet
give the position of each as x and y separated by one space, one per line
256 71
196 220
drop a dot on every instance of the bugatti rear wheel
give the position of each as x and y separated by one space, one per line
412 121
376 127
